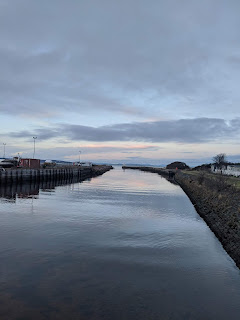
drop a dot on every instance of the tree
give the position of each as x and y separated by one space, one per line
220 159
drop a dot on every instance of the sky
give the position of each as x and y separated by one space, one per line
130 81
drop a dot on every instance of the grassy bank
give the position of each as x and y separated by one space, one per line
230 180
217 200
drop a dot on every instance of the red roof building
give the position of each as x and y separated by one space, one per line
30 163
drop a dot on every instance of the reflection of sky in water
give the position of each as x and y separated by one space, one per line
126 245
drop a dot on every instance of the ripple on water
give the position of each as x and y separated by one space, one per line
126 245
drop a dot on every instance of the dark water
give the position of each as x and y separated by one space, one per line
126 245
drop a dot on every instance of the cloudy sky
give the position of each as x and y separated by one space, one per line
129 81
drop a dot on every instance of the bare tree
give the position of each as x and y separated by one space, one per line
219 160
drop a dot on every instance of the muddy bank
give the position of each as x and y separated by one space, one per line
217 202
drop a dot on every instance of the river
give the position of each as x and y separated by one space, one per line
126 245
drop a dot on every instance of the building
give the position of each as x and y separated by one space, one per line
29 163
228 169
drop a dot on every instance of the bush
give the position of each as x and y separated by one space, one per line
201 178
178 165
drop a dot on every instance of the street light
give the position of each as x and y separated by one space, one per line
4 144
34 138
79 157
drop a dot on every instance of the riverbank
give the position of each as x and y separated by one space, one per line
160 171
48 174
216 201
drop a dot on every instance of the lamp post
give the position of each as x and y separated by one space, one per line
4 144
34 138
79 157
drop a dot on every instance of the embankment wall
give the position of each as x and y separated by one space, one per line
24 175
219 206
216 202
160 171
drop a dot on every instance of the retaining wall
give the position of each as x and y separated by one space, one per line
22 175
216 202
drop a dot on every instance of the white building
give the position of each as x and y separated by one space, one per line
231 169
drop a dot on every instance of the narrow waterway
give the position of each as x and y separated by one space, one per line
126 245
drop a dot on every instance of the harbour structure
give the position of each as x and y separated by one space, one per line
65 172
29 163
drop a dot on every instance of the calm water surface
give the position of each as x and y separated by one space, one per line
126 245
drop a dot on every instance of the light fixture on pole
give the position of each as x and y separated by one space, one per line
4 144
79 157
34 138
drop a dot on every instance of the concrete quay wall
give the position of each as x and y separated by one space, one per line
23 175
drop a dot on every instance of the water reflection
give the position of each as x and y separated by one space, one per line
126 245
11 192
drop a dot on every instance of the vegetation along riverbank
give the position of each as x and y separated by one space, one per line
216 199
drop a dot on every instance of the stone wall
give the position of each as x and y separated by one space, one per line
24 175
217 202
219 205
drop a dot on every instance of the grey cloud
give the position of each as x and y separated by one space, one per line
81 56
182 131
69 152
42 133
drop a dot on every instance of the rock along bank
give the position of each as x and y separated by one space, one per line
217 202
